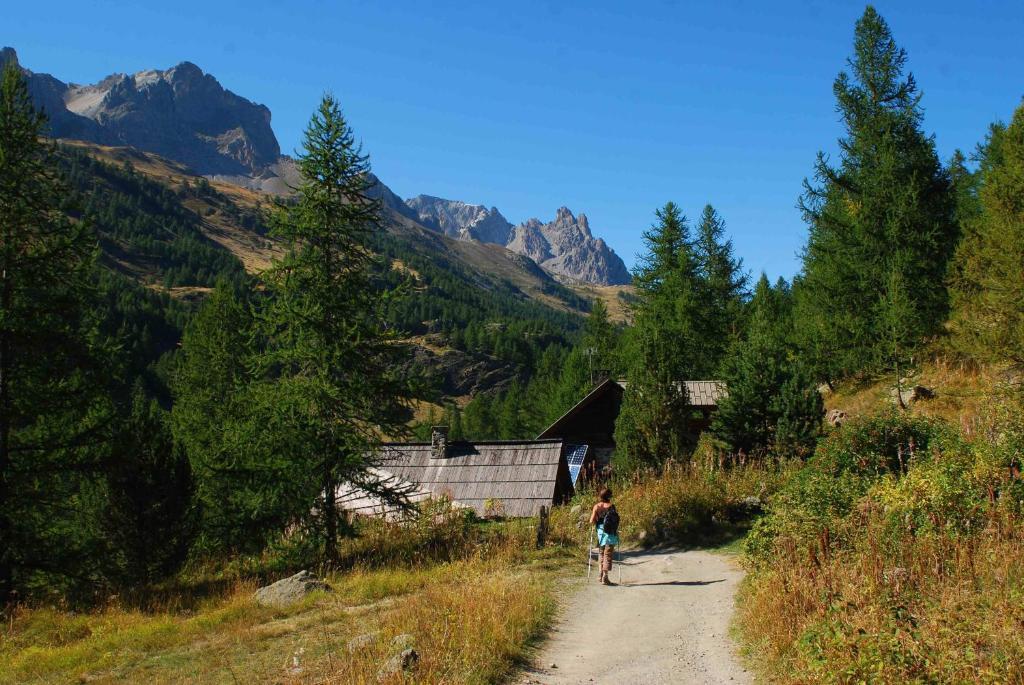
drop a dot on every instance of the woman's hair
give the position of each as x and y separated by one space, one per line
605 495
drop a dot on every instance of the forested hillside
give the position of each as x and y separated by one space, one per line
191 372
471 319
480 316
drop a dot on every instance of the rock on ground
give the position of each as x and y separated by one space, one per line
405 661
289 590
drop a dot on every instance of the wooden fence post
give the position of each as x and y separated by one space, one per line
542 527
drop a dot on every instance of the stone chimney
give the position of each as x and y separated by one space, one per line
439 442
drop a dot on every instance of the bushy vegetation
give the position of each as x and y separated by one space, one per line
895 555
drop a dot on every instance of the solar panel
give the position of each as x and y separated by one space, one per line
575 457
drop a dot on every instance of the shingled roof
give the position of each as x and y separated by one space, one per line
517 476
705 393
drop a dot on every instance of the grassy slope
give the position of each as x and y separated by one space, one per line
472 620
961 392
919 602
615 297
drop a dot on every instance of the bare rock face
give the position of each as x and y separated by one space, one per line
564 246
464 373
180 113
461 220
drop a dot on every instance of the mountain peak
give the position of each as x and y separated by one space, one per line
180 113
564 246
462 220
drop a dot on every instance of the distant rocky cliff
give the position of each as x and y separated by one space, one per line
564 246
185 115
180 113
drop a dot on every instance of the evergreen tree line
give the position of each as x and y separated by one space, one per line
93 493
558 376
905 254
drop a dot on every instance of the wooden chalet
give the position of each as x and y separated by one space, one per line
589 427
508 477
512 477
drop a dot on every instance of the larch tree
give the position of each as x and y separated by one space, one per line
988 283
883 218
725 287
600 342
331 381
245 491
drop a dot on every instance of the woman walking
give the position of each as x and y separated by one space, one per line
606 518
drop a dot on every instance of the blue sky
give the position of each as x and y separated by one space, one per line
609 108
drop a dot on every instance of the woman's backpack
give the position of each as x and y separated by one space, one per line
610 522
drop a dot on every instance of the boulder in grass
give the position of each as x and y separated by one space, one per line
289 590
911 394
836 418
403 641
362 641
399 663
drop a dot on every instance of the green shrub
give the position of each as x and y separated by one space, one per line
844 467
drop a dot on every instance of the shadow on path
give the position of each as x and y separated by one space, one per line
675 582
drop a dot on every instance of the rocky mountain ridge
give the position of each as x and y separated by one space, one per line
179 113
186 115
564 246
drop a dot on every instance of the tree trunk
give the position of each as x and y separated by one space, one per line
899 387
330 517
6 572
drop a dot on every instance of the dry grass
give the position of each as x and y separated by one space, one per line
692 504
615 298
962 390
918 578
472 620
923 610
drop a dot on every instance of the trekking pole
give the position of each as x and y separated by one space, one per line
590 550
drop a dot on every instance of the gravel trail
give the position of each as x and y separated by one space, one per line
667 622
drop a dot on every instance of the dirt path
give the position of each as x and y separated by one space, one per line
667 622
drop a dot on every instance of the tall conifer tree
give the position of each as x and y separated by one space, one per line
52 410
882 219
772 401
988 286
725 286
665 346
331 383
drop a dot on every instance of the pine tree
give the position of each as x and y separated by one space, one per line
331 383
725 287
245 491
664 347
885 215
772 401
988 284
147 516
52 407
